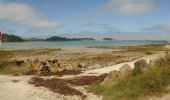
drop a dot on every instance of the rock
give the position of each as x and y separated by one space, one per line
54 69
141 64
44 63
82 65
38 66
125 69
61 69
113 75
36 61
32 72
69 68
45 69
27 64
139 67
57 65
19 63
54 61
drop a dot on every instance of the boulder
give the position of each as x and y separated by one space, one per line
36 61
125 70
38 66
141 64
139 67
57 65
45 68
54 69
69 68
19 63
54 61
113 75
82 65
61 69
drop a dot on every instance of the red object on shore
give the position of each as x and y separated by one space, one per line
0 35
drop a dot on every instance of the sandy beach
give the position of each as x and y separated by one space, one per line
19 88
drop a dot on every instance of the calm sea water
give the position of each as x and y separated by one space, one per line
68 44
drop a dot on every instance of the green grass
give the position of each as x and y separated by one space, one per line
151 82
8 67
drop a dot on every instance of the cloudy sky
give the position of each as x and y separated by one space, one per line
119 19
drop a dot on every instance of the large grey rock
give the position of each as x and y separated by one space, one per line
113 75
139 67
125 70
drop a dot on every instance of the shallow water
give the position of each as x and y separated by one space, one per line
68 44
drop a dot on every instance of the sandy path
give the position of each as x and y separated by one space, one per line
21 90
97 72
10 90
116 67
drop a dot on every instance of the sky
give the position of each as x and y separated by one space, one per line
118 19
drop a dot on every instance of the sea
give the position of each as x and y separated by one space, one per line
70 44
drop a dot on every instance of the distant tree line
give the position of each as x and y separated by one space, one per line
11 38
14 38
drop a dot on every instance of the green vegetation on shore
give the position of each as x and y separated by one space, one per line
107 39
153 81
14 38
146 49
58 38
11 38
8 66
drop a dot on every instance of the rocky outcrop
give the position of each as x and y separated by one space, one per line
53 66
125 70
82 65
113 75
139 67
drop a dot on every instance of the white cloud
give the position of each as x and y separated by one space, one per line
24 14
130 7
